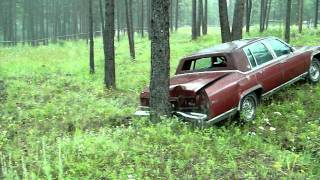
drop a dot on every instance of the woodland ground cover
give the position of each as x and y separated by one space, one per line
58 122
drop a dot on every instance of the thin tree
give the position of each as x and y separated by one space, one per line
171 15
160 60
130 31
205 19
91 38
238 23
200 17
288 21
109 54
194 19
248 14
262 15
316 14
177 15
269 6
142 19
300 15
224 21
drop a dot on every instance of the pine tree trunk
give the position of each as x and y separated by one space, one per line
237 25
118 20
268 13
130 28
316 14
160 60
149 17
300 16
288 21
142 19
177 15
91 38
109 51
248 15
200 17
194 19
224 21
262 18
205 19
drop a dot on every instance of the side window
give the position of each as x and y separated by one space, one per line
279 48
261 53
203 63
250 57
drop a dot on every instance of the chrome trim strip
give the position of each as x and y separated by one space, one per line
192 115
296 79
222 116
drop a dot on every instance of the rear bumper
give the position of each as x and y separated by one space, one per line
198 118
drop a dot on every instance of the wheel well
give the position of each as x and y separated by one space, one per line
258 92
316 56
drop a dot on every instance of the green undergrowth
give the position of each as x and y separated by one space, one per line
59 122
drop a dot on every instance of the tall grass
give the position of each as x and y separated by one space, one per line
59 122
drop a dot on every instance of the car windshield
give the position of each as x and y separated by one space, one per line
206 63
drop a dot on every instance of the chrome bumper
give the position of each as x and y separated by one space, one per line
198 118
191 116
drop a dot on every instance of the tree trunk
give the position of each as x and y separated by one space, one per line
300 16
268 13
177 15
200 17
91 38
238 24
316 14
130 28
248 15
142 19
118 20
101 17
194 19
288 21
149 17
224 21
262 13
171 15
160 60
109 52
205 19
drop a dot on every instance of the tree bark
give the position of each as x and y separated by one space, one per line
300 16
109 51
160 60
268 14
248 15
130 28
224 21
177 15
92 70
288 21
316 14
205 19
142 19
194 19
262 15
200 17
238 24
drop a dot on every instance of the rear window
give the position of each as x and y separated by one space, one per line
205 63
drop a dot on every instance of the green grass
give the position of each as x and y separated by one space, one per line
59 122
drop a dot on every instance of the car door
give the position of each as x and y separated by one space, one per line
266 67
292 64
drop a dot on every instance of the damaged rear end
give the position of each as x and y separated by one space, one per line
188 97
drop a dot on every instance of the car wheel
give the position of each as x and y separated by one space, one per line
314 71
248 107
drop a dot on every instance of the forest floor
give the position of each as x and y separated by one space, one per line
58 121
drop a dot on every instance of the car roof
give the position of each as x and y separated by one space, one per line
226 48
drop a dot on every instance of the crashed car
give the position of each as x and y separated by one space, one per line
232 78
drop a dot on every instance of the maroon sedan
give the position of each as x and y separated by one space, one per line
219 82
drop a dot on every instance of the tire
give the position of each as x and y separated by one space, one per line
314 72
248 107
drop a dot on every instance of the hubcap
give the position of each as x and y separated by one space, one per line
314 72
248 109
